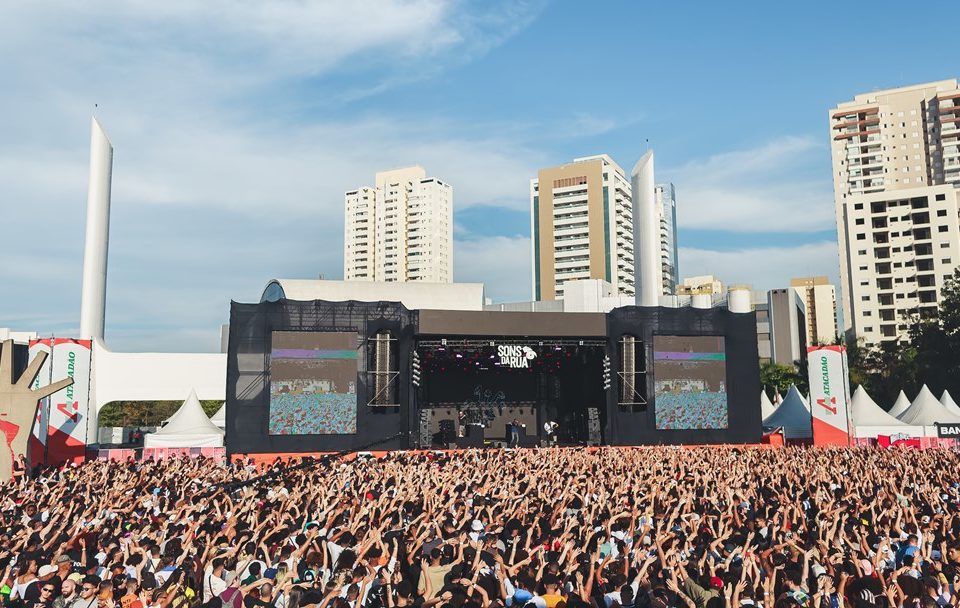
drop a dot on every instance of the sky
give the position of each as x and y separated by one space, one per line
238 125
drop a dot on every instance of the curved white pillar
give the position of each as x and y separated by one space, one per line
94 290
646 225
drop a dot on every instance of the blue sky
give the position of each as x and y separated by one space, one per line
237 127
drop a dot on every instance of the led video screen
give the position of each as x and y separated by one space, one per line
690 382
313 383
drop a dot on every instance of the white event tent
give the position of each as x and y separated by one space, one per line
900 405
189 427
766 406
927 411
947 401
220 417
793 415
870 420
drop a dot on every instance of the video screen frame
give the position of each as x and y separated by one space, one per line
313 383
690 382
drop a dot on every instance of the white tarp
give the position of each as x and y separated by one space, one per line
188 428
866 412
220 417
901 405
766 406
927 411
793 415
947 401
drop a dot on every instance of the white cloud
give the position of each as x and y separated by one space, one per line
780 186
501 263
225 172
763 268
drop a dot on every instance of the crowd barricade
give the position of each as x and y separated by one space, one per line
119 454
905 441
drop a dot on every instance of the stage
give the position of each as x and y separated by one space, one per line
315 377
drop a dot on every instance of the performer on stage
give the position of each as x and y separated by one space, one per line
513 435
550 432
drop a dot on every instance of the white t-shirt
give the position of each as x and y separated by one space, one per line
609 598
213 585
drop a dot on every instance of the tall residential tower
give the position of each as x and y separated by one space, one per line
399 230
896 170
581 218
820 299
666 197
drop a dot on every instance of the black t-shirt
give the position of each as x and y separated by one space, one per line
252 602
32 593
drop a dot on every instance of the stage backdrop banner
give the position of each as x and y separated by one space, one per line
69 408
829 394
39 437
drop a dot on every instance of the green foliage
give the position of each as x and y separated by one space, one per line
146 413
930 354
778 377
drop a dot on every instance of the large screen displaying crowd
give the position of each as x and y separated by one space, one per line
611 528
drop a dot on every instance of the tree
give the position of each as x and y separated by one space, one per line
779 377
928 354
146 413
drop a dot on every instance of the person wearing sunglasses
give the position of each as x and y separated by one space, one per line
48 593
88 592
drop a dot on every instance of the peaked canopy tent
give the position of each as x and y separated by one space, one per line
947 401
219 419
767 408
793 415
927 411
871 420
901 405
189 427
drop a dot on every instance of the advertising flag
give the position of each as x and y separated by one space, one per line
829 394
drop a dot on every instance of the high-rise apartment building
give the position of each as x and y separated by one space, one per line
581 217
820 299
399 230
667 209
896 170
786 313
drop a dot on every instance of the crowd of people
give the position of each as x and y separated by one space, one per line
550 528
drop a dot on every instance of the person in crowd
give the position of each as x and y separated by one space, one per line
607 528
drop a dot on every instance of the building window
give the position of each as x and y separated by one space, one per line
942 228
865 298
941 213
858 206
941 197
861 237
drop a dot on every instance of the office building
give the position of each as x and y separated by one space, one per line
820 298
666 198
704 284
761 306
399 230
581 216
896 167
786 313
